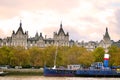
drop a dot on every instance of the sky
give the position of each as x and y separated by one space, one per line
85 20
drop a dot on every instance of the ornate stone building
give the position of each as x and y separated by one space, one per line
60 38
91 45
20 38
106 42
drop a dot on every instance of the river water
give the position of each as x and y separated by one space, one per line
52 78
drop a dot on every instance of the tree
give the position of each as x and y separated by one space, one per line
36 56
4 55
98 54
86 58
114 52
72 55
19 56
50 53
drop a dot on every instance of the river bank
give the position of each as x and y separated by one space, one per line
52 78
24 72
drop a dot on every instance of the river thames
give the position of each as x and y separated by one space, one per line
52 78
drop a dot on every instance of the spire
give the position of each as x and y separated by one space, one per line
20 23
36 35
106 29
106 36
61 24
61 29
106 33
20 28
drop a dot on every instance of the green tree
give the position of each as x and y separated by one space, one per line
36 56
73 54
20 56
61 56
98 54
86 58
50 53
114 53
5 55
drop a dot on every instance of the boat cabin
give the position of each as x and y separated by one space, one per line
74 67
97 65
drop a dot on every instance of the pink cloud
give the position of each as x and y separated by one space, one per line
2 33
83 18
14 7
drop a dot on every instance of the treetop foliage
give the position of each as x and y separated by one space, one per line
19 56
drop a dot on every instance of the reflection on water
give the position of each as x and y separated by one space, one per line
52 78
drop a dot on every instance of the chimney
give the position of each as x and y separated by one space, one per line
45 36
106 60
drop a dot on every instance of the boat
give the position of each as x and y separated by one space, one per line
70 71
97 69
2 73
100 69
61 71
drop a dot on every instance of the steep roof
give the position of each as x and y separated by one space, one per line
20 28
61 29
107 34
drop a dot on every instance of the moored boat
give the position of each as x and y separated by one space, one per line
61 71
2 73
100 69
58 72
97 69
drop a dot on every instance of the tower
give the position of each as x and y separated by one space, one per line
20 37
61 38
106 37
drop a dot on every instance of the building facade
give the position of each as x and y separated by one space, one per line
91 45
106 42
60 38
21 38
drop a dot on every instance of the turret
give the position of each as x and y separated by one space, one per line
67 34
40 34
13 32
106 37
41 37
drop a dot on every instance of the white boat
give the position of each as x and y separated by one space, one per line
2 73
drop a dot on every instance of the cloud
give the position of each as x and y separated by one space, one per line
83 19
2 33
117 23
12 8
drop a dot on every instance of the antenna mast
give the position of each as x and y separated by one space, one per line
55 57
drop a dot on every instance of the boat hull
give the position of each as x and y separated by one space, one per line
98 73
58 72
81 73
3 73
